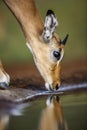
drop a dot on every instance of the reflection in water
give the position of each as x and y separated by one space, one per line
7 109
36 117
4 120
52 117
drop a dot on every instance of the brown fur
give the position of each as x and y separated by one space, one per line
32 26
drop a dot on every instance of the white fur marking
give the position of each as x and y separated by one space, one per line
34 59
28 45
47 86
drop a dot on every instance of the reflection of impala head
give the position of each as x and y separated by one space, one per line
52 117
45 45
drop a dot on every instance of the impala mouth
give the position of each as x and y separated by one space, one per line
50 88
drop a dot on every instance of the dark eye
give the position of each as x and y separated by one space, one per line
57 55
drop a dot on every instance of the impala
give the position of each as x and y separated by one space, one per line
46 46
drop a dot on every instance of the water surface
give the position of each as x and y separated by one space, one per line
55 112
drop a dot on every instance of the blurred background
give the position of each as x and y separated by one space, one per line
72 19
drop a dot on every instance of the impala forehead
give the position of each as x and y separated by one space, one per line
56 38
54 43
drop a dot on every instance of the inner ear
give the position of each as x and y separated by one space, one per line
49 26
51 20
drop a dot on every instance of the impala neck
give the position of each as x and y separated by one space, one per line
28 17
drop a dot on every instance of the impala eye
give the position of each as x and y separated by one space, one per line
57 54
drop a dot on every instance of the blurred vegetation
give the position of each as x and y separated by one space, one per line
72 20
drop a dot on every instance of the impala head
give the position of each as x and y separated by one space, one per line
50 52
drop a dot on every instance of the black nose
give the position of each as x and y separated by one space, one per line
57 87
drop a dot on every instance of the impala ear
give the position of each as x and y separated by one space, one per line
50 24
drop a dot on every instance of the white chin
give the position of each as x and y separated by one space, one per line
47 86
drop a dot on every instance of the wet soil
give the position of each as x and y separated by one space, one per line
26 81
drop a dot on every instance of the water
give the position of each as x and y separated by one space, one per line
55 112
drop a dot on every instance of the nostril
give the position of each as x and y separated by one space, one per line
57 87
